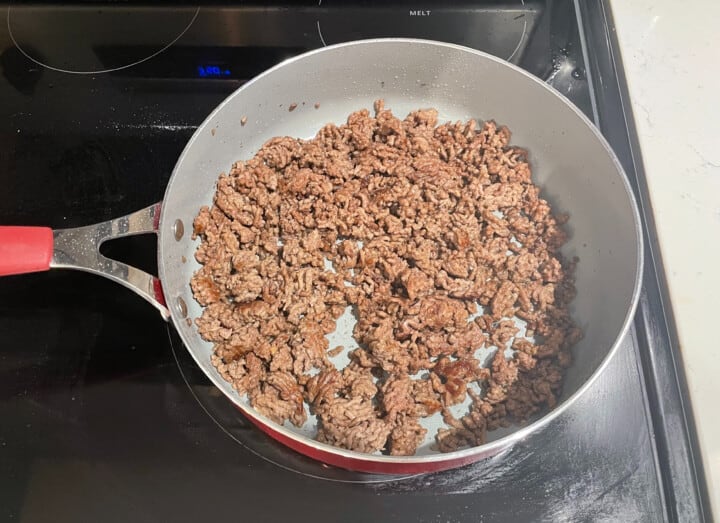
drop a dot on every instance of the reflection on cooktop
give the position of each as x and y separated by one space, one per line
64 39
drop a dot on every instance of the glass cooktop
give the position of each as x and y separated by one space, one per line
105 417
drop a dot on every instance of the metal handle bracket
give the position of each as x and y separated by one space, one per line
79 248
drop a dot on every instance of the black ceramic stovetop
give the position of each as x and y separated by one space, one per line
104 416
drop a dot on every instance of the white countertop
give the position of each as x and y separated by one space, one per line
671 55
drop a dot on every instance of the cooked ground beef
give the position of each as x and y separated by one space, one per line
439 241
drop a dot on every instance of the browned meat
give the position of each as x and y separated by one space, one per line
353 424
405 436
416 282
421 224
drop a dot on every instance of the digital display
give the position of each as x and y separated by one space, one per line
212 71
238 64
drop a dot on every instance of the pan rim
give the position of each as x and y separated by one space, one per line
486 449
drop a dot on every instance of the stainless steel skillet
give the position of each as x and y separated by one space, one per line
573 164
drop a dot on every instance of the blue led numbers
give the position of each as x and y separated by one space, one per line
212 71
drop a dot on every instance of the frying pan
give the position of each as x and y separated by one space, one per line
572 163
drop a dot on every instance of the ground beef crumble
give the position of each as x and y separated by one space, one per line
438 240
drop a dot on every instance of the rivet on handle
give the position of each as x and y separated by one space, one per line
182 307
178 229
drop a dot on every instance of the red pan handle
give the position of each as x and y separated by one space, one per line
25 249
